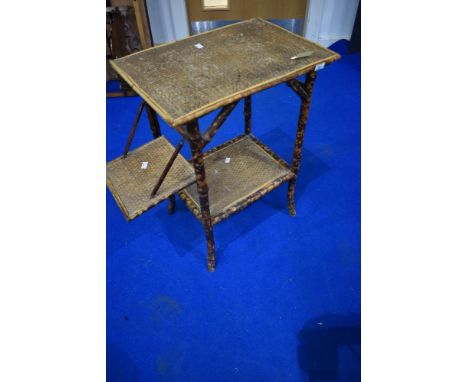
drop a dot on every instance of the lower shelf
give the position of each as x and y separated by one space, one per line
131 185
238 173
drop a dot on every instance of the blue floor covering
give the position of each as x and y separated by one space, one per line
284 301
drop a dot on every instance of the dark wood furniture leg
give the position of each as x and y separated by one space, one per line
248 114
303 115
196 146
156 130
153 121
171 205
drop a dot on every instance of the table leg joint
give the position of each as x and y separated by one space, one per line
218 122
298 88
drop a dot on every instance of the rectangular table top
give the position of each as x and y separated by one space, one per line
191 77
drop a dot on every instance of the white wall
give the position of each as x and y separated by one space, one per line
328 21
168 20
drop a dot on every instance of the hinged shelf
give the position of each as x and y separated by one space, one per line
238 173
131 185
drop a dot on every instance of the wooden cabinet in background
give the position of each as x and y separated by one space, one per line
127 31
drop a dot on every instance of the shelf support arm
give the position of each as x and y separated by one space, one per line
167 168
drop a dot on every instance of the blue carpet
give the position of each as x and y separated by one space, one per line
284 301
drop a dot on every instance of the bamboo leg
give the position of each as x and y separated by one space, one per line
303 115
248 114
196 145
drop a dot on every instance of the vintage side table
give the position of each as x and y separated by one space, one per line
186 79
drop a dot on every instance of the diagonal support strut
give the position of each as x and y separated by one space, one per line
167 168
134 126
298 88
219 120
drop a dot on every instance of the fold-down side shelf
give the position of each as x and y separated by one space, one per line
131 185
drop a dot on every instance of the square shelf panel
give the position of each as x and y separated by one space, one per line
131 185
238 173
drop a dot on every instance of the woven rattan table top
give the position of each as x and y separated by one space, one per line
186 79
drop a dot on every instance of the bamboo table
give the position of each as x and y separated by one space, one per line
184 80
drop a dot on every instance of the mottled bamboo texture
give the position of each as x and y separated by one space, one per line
248 114
218 122
236 207
297 87
303 115
196 146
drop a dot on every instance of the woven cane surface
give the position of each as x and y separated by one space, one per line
191 77
236 172
131 184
